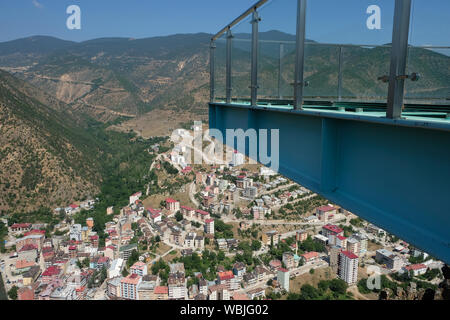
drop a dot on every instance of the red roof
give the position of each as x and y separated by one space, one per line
73 206
310 255
34 231
131 279
326 208
72 248
51 271
349 254
202 212
170 200
186 208
21 225
283 270
161 290
333 228
274 263
153 211
103 259
28 247
341 237
155 215
418 266
226 275
209 220
94 237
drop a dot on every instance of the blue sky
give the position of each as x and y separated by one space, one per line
335 21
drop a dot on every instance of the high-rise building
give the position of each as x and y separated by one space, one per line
129 285
237 159
334 258
353 245
348 267
209 226
362 238
283 278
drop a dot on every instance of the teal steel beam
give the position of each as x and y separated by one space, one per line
392 172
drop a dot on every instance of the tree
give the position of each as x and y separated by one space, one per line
308 292
339 286
12 293
311 271
134 257
256 245
221 255
124 272
179 216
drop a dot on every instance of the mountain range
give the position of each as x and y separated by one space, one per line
52 90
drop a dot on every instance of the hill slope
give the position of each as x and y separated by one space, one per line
45 156
111 77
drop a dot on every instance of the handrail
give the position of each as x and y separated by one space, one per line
238 19
339 44
398 57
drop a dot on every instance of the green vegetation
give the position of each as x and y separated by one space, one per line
179 216
3 235
222 230
125 171
335 289
83 264
170 169
12 293
133 258
161 268
2 289
419 259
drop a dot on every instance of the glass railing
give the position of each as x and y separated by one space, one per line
429 53
220 69
341 63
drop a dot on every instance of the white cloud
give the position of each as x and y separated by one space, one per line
37 4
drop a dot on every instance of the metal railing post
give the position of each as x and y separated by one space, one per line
280 61
399 52
300 53
228 65
340 75
212 60
254 68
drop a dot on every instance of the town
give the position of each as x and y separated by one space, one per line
225 232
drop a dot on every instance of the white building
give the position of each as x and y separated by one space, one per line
237 159
75 232
283 278
417 269
135 197
209 226
116 268
139 268
264 171
348 267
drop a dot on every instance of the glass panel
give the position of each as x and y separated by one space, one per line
276 62
429 53
241 60
220 69
348 36
361 68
